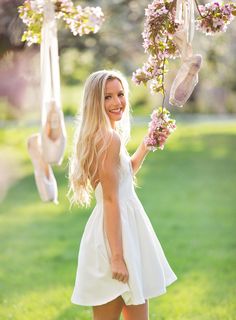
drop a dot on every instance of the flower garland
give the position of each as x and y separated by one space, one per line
159 28
79 20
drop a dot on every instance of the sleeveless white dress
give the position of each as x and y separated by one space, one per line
149 270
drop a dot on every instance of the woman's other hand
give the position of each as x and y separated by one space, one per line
119 269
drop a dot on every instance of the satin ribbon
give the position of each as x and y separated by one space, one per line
185 16
50 73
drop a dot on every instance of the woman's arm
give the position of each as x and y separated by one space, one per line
138 157
109 178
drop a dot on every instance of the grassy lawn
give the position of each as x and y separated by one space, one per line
188 191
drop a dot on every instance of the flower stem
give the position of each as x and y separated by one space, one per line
163 80
198 9
196 2
163 84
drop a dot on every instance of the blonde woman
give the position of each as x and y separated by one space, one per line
121 263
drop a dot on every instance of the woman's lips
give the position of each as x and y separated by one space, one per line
116 111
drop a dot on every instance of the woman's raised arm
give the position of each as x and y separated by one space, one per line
138 157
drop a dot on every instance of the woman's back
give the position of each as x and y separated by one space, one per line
126 186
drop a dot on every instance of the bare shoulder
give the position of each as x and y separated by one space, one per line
112 144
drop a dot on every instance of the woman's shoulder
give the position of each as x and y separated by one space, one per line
111 137
116 137
110 142
115 142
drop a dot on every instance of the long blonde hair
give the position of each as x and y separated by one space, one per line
92 127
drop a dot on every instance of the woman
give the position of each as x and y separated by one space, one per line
121 263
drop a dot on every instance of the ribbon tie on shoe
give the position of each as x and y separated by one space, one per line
185 16
50 74
53 133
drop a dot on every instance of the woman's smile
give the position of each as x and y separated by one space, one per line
117 111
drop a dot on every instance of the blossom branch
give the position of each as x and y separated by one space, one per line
196 2
79 20
159 28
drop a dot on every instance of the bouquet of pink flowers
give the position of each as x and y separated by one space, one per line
160 127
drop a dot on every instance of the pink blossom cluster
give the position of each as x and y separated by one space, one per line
215 17
32 15
160 127
79 20
159 27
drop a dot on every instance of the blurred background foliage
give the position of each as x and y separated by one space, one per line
117 45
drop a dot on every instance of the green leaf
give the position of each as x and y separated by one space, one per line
23 38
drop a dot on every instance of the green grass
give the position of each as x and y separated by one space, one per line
188 191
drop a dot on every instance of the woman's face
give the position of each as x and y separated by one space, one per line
114 100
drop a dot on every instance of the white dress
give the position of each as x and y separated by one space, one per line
149 271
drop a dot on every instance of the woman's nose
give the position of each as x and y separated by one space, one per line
116 101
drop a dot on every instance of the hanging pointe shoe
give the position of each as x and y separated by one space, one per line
185 81
44 177
53 135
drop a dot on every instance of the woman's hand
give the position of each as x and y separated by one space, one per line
158 138
162 136
159 128
119 269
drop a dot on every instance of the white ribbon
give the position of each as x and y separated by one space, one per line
53 150
50 73
185 16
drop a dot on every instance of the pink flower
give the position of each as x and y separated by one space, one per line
160 127
215 18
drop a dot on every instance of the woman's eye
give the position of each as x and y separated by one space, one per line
107 97
121 95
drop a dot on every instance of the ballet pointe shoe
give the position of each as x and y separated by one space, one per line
185 81
53 135
44 177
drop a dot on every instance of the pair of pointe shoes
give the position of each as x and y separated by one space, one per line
187 76
44 177
48 148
